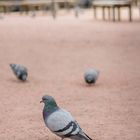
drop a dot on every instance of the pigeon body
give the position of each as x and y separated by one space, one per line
91 76
60 121
19 71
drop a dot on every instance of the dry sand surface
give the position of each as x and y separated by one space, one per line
57 52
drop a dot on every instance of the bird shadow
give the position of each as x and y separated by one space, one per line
44 138
17 81
47 138
85 85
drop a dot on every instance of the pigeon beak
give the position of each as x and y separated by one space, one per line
41 101
10 65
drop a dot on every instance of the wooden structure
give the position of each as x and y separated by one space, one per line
111 5
26 5
32 5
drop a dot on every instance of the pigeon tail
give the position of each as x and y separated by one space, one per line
23 77
81 136
87 137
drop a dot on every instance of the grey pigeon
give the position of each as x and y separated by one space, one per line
91 76
20 71
60 121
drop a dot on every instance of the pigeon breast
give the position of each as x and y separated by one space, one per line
62 123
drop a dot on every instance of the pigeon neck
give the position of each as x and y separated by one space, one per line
49 108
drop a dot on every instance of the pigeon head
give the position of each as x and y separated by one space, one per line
90 79
12 65
49 101
91 76
23 77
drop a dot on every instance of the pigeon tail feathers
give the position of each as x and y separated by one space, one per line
88 137
81 136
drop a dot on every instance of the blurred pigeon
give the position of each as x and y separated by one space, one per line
61 122
20 71
91 76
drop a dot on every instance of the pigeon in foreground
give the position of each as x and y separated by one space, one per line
20 71
91 76
60 121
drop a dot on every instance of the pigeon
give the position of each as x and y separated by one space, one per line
20 71
91 76
60 121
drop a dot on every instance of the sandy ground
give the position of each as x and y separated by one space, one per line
57 53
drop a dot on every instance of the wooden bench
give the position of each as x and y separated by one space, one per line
7 5
32 5
112 4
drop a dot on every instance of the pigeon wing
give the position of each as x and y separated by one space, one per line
62 123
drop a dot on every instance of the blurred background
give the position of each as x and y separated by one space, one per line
58 40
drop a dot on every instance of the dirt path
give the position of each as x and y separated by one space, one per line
57 53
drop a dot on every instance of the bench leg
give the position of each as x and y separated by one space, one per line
5 9
66 5
109 15
44 9
21 9
94 12
103 13
32 10
119 14
130 13
54 9
113 11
